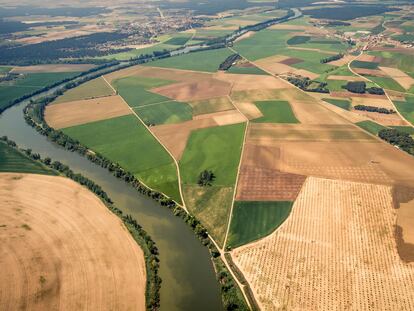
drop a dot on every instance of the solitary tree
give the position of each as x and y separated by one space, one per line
206 178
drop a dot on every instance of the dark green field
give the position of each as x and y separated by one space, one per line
275 112
12 160
371 126
253 220
246 70
217 149
134 90
126 141
341 103
387 83
30 83
406 108
404 129
364 65
298 40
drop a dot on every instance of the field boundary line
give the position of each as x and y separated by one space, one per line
154 104
385 90
166 149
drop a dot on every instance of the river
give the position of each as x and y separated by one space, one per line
188 278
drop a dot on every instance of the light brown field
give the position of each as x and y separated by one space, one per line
369 58
306 73
84 111
175 136
401 77
380 102
277 65
252 82
289 94
197 90
62 249
250 110
333 151
211 105
381 118
224 117
343 61
245 36
370 72
159 73
336 251
314 113
52 68
259 181
347 94
346 78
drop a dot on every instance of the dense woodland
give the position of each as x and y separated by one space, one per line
374 109
397 138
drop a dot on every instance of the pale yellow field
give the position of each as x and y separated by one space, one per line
62 249
336 251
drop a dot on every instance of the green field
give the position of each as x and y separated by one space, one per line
165 113
253 220
30 83
211 105
401 61
12 160
371 126
364 65
179 39
217 149
275 112
341 103
208 61
404 129
126 141
387 83
211 205
336 85
134 90
5 69
406 108
298 40
91 89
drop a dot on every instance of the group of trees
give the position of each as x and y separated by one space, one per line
332 58
360 87
229 61
206 178
308 85
400 139
374 109
140 235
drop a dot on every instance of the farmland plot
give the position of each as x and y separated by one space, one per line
335 251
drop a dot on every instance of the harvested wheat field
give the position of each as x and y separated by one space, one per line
52 68
343 61
346 78
259 181
196 90
385 119
62 249
273 64
401 77
84 111
380 102
224 117
175 136
314 113
369 72
347 94
178 75
250 110
336 251
252 82
332 151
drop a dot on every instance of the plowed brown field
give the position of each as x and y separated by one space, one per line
336 251
62 249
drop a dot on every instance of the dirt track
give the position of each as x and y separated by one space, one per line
62 249
336 251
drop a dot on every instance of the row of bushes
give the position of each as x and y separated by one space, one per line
304 83
374 109
332 58
400 139
360 87
140 235
228 62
